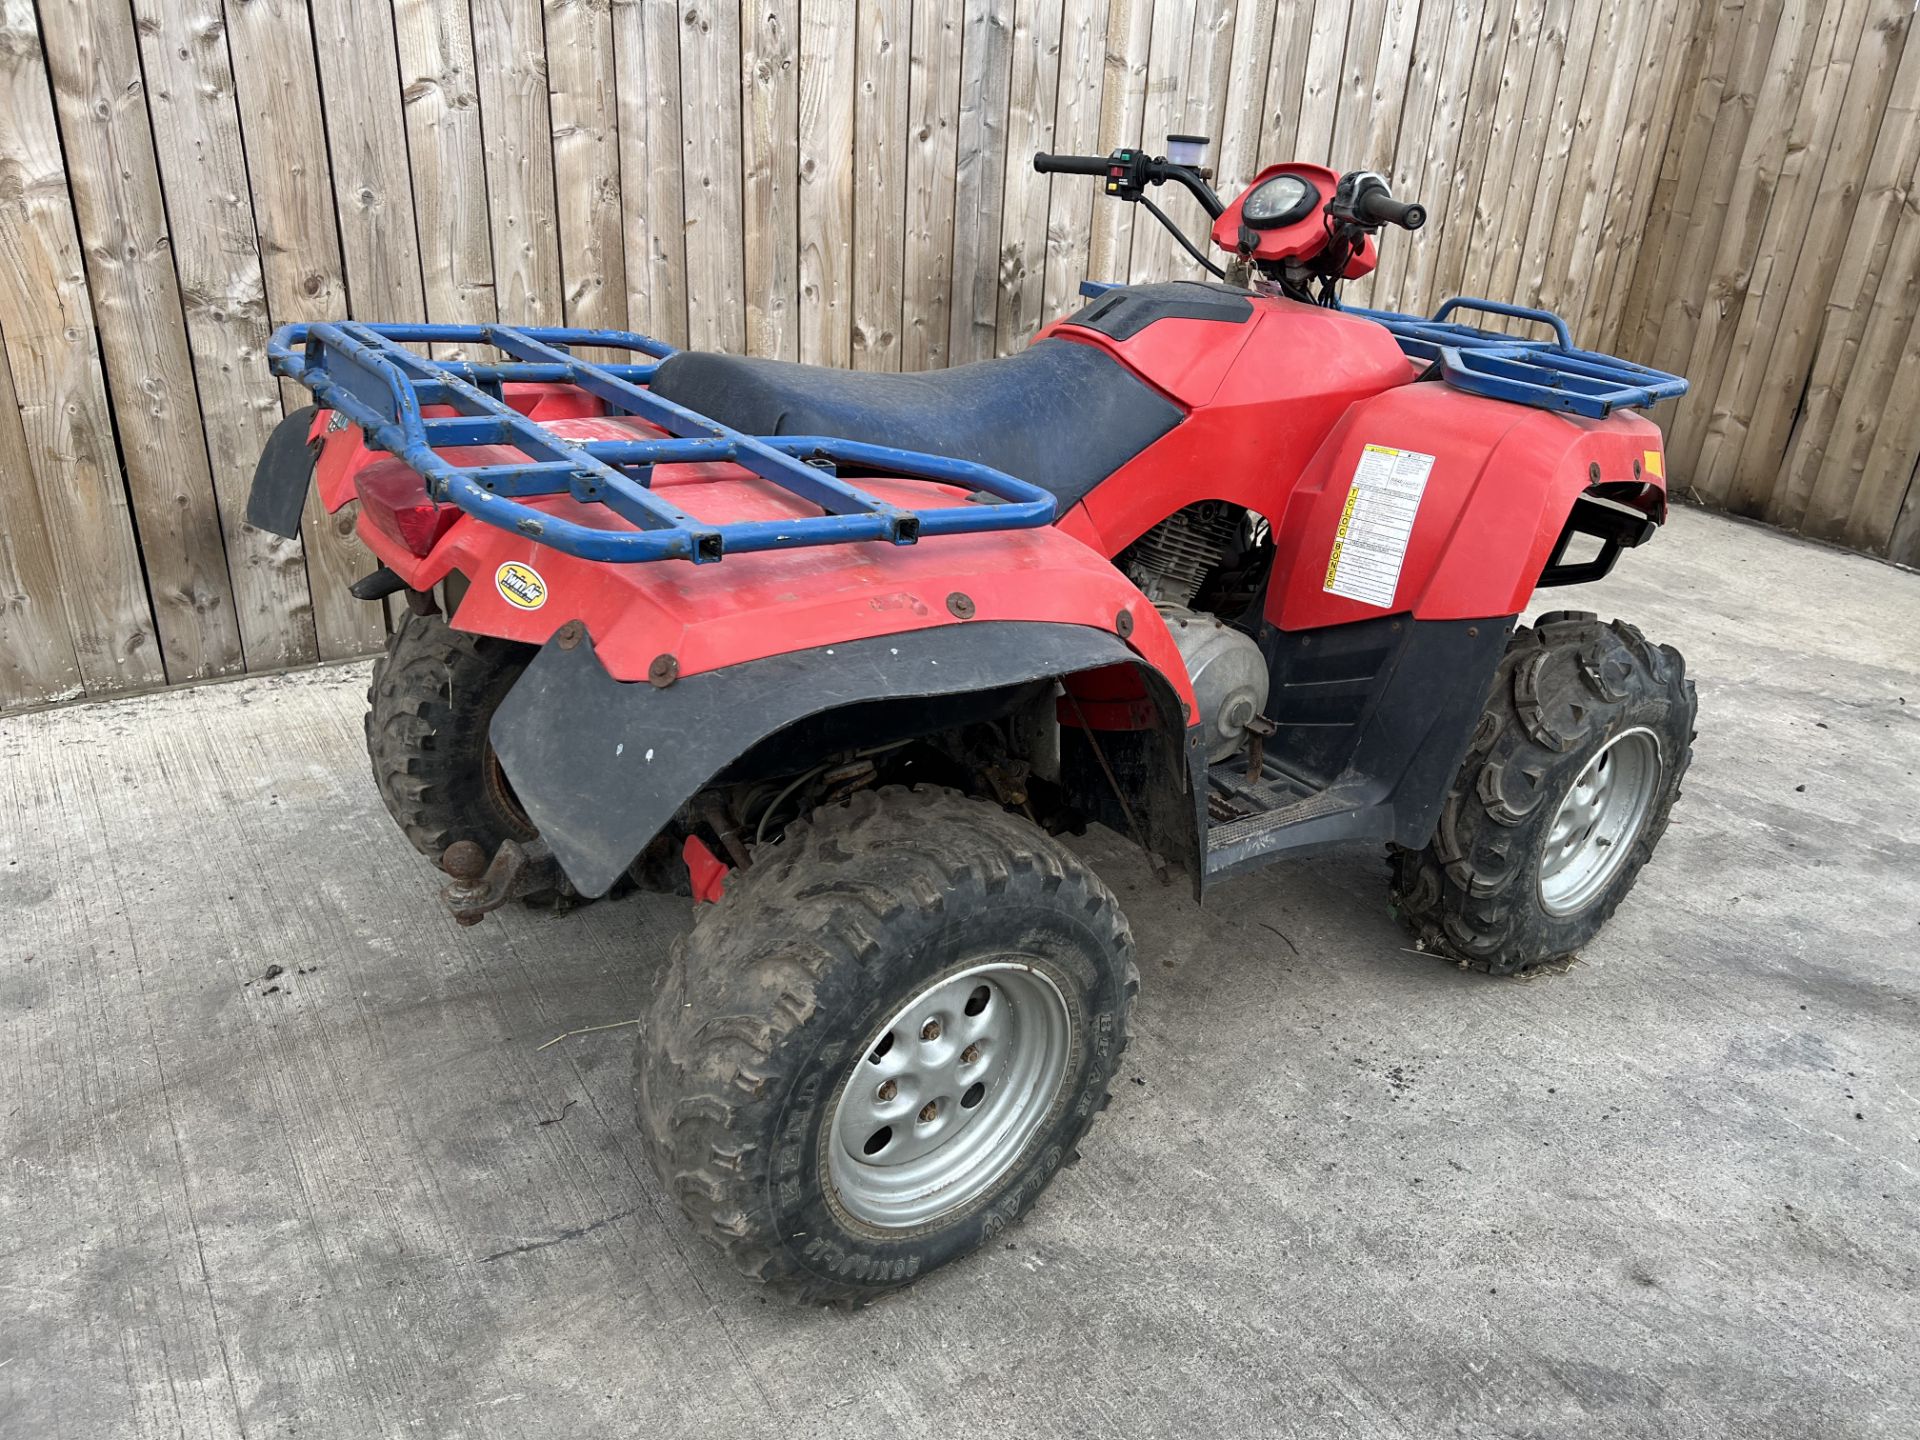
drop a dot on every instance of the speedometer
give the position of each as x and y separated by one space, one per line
1283 200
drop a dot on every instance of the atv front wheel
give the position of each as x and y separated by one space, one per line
432 697
1564 793
873 1053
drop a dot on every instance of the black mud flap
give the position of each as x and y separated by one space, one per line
280 480
601 765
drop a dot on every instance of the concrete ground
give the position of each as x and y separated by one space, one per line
1344 1189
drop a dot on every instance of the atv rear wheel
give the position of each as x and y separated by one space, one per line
432 697
873 1053
1563 795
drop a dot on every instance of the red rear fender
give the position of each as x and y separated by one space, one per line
1495 498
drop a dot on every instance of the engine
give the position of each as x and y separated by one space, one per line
1172 560
1170 564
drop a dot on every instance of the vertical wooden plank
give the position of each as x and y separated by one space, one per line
1076 131
586 163
1829 473
1292 45
1376 129
1642 286
1886 474
1873 251
646 46
827 100
770 77
880 186
1429 130
46 326
1615 234
710 141
447 153
1510 197
1502 181
1561 83
1721 116
1765 94
37 659
933 114
1366 20
277 87
1123 98
372 177
101 100
1186 90
1411 54
1030 118
367 139
1320 86
1438 267
196 132
1809 225
1236 151
509 49
986 173
1904 549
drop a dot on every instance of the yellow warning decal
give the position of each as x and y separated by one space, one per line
1340 535
520 585
1656 464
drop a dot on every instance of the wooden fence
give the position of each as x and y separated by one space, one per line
1722 187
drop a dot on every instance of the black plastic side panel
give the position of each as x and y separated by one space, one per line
280 480
601 765
1122 314
1376 716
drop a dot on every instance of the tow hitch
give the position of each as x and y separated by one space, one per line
480 885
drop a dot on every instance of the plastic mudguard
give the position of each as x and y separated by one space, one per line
601 765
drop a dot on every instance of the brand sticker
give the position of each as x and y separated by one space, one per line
520 585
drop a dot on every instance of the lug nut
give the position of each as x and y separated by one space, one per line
928 1111
970 1055
930 1030
888 1089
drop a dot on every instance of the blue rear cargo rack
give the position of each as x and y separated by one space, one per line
368 374
1546 374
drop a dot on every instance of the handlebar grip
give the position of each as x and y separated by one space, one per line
1070 164
1377 207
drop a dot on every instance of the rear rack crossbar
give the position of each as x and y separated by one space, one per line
368 374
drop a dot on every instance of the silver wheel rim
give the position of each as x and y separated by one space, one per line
1594 829
945 1096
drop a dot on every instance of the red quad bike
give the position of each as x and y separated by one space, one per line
1219 564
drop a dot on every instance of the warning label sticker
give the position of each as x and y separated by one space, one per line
1376 524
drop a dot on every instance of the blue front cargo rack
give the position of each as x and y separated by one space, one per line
368 374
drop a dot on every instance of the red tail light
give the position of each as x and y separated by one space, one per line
395 502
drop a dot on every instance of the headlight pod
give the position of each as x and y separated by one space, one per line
1283 200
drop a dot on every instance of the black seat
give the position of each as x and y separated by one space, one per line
1059 415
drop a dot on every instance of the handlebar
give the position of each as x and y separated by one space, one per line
1136 171
1070 164
1377 207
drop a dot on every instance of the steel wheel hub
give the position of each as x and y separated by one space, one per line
1594 830
945 1096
